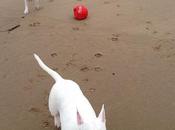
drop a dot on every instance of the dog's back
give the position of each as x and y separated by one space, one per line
67 100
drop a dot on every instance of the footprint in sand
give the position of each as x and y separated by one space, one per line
53 54
165 48
34 24
69 63
84 69
34 109
76 28
118 6
55 69
157 47
147 28
98 69
154 32
150 27
86 80
167 33
148 22
113 73
98 55
91 89
45 124
117 14
115 37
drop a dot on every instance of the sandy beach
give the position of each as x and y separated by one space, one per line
122 55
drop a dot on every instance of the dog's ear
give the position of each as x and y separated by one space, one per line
79 118
101 115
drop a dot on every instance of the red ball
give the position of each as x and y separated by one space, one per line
80 12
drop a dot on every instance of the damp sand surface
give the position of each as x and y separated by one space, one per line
122 55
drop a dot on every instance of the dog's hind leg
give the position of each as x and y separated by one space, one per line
57 120
26 10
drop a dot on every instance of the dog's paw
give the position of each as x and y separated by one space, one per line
26 11
57 122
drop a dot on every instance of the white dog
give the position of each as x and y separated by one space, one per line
26 10
69 107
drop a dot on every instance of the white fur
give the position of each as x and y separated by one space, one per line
69 107
26 10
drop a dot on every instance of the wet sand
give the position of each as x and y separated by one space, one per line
123 55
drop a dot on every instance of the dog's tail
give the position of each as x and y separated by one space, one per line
51 72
